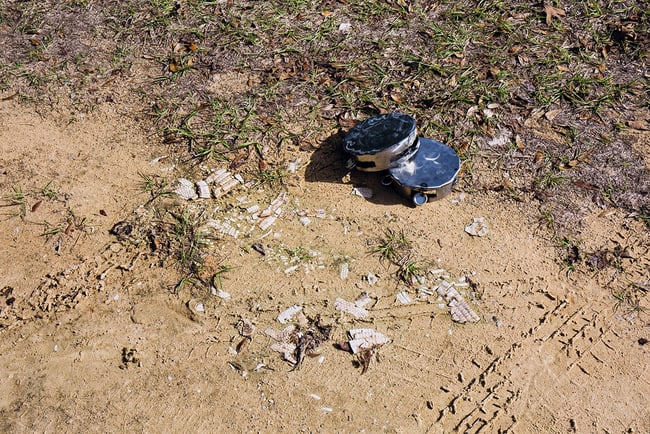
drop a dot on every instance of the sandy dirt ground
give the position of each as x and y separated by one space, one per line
95 335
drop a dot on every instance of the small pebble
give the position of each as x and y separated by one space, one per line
477 228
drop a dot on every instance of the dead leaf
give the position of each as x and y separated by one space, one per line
585 185
69 229
396 97
569 165
262 166
462 149
505 183
551 114
519 142
327 14
241 346
240 158
585 156
553 12
638 125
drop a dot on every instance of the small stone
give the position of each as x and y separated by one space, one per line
372 279
363 299
477 228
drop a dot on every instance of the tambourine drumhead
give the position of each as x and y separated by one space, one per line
433 166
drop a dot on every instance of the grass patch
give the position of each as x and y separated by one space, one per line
393 247
396 248
16 201
155 186
629 300
187 239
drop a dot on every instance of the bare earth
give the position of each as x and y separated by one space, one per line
96 337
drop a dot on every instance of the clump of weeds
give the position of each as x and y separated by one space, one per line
396 248
629 299
155 186
16 202
393 247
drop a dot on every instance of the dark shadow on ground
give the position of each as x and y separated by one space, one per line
328 163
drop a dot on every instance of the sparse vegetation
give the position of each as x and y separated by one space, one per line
393 247
299 254
49 190
219 275
572 254
297 72
15 201
397 249
154 185
411 271
629 300
187 239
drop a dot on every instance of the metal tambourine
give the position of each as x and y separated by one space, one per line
430 173
380 141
